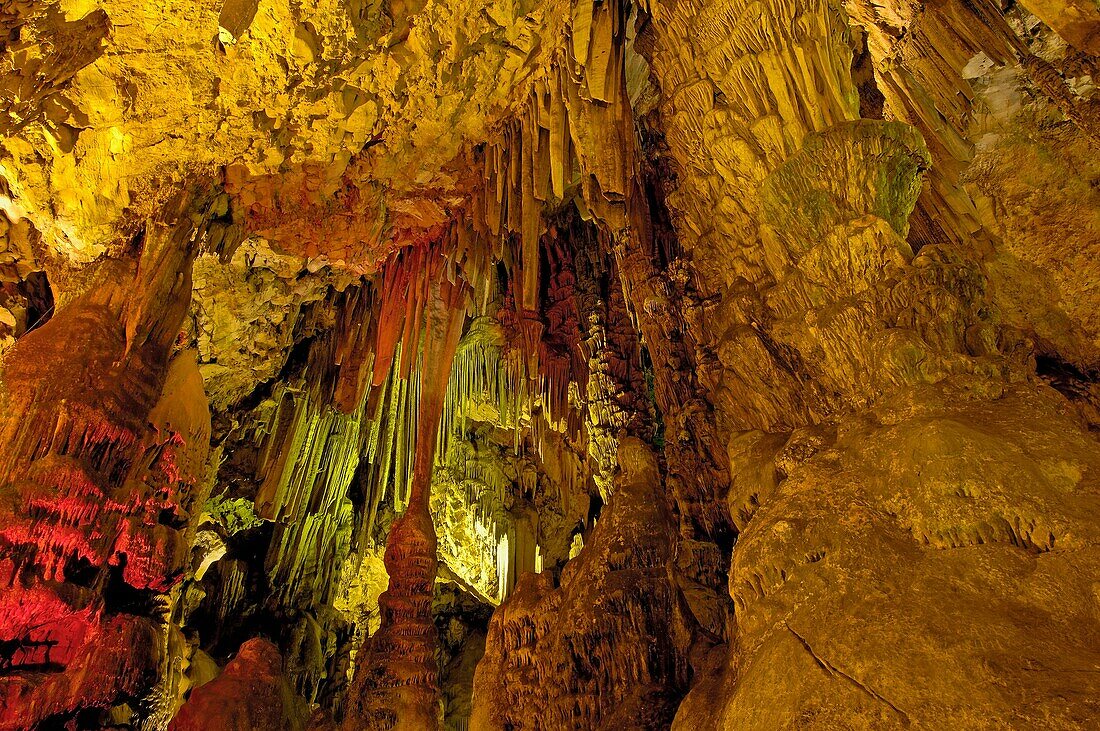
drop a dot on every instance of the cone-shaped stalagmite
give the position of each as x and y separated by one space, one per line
555 365
396 683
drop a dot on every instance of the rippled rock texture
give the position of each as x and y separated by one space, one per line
549 364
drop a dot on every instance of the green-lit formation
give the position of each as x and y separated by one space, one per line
549 365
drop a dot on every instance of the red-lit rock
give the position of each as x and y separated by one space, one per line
102 457
251 693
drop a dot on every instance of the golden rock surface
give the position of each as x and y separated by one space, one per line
776 380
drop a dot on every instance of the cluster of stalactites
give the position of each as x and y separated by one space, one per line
563 381
567 153
487 385
389 364
543 156
496 378
308 460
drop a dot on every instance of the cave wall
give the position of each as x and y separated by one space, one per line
692 364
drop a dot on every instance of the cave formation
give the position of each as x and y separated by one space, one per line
539 365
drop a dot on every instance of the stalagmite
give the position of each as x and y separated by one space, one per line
396 684
557 365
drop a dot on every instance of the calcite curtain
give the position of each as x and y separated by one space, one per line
549 365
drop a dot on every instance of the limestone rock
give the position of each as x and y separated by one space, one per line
250 693
546 364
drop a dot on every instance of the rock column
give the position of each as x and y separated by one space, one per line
396 684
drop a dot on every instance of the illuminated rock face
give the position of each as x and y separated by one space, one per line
251 693
738 359
608 648
104 457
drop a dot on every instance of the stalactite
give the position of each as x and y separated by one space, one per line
396 684
312 509
716 319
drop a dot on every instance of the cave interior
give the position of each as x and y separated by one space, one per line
549 365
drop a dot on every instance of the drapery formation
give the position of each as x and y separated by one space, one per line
555 364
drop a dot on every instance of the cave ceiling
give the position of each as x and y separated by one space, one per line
555 365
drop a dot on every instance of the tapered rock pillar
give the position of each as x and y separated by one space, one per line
103 445
396 684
